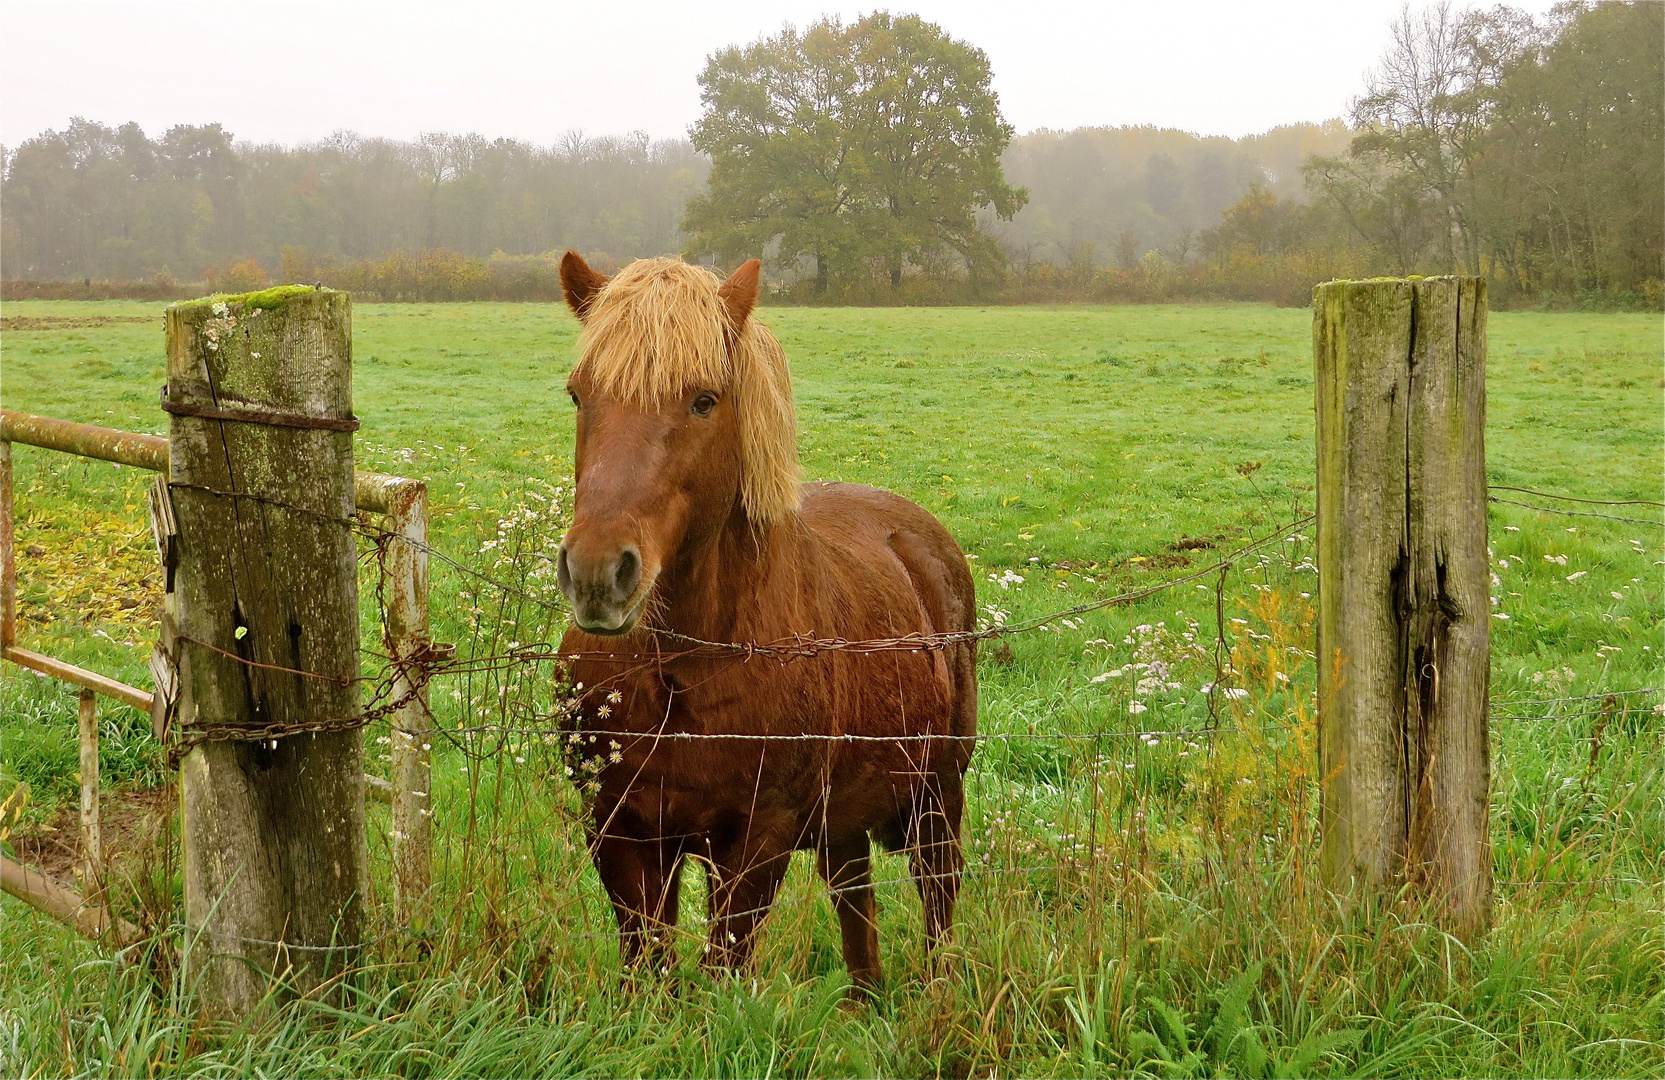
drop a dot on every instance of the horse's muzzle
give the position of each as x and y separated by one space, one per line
603 587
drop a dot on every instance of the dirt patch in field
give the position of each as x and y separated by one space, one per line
1196 543
130 825
53 322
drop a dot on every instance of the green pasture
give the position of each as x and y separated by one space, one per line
1141 899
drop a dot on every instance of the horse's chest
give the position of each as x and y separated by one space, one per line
775 739
678 730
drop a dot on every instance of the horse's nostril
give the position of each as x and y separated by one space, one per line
629 574
563 576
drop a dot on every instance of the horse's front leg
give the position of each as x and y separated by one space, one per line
744 878
643 879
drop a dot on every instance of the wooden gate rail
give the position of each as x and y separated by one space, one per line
402 500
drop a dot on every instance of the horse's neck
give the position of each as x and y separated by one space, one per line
742 581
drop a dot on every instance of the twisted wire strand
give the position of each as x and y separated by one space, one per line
1578 513
1576 499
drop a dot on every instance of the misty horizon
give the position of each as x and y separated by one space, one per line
1155 206
582 135
623 69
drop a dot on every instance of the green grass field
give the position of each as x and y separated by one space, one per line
1141 902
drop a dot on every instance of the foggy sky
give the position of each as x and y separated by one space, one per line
297 71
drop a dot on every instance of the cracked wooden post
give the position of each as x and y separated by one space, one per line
261 473
1404 624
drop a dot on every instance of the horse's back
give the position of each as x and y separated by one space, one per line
875 525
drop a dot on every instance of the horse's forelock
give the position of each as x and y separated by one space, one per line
654 330
657 329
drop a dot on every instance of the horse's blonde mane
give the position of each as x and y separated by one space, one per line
656 329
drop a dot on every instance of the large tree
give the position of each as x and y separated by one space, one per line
1422 116
1573 185
872 145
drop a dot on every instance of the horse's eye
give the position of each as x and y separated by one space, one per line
703 404
574 396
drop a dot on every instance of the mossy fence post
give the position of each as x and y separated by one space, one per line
1404 624
261 481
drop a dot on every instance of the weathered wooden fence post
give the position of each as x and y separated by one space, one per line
265 637
8 554
92 841
406 579
1404 630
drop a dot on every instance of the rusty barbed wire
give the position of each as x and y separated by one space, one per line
1576 499
339 680
360 524
591 734
795 646
791 648
655 736
1578 513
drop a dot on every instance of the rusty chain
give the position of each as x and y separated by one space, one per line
418 671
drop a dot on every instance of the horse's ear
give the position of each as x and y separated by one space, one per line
739 294
579 283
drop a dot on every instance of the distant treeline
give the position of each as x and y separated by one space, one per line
1532 152
457 217
94 211
1490 143
1106 196
95 202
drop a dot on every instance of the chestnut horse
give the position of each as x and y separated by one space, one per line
689 523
